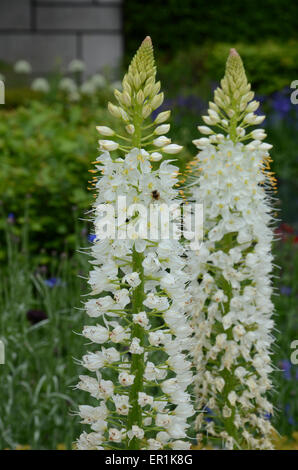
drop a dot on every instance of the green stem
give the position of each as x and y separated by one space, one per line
137 360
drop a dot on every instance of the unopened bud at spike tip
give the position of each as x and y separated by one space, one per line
233 52
147 40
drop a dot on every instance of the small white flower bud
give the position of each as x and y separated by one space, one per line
265 146
163 129
157 101
213 115
126 99
155 157
108 145
123 115
205 130
172 148
146 111
240 131
208 120
114 110
148 89
104 130
201 142
155 89
252 106
258 134
259 119
136 80
130 129
140 97
161 141
162 117
250 118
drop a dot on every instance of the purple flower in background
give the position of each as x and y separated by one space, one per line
182 103
290 417
261 98
213 86
286 368
91 238
268 416
281 103
52 282
285 290
11 218
208 412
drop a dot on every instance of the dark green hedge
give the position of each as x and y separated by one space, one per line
176 24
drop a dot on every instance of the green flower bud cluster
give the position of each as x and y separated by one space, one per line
139 97
233 109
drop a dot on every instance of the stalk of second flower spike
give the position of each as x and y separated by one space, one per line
237 402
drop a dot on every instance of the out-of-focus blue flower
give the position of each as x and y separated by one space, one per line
291 420
268 416
182 103
208 412
261 98
281 103
91 237
214 85
11 218
285 290
52 282
286 367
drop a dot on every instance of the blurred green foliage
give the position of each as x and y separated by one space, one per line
46 151
270 66
175 25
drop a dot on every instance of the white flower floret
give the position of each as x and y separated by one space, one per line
172 148
135 431
135 347
126 379
141 319
133 279
98 334
144 399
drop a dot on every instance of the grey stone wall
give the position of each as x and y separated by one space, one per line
51 32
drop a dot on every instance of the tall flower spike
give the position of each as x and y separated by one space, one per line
142 372
231 286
